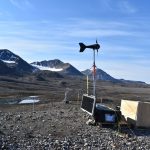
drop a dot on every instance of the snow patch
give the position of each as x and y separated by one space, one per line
9 61
28 101
48 68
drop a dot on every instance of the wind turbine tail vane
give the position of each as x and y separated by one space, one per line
82 47
97 48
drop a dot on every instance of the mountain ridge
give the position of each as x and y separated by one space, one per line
102 75
58 66
12 64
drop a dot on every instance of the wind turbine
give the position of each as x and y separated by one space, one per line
94 47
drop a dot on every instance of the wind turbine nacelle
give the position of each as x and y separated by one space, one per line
93 46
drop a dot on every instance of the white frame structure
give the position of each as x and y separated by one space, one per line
93 107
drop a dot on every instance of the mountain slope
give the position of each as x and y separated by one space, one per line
5 70
100 75
57 66
14 62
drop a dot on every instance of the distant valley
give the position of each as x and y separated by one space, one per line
50 79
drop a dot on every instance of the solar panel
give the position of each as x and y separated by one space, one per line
88 104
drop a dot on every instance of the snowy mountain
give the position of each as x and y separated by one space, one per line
15 63
12 64
57 66
51 65
7 55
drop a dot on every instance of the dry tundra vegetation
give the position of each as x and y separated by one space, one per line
56 125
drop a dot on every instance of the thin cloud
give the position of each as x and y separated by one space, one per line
63 34
99 33
21 4
121 6
126 7
105 5
74 29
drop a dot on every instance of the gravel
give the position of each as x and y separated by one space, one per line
63 127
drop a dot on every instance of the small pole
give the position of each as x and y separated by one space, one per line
78 95
33 105
87 85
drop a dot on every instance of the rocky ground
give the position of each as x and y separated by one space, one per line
62 126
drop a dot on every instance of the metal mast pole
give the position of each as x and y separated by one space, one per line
94 74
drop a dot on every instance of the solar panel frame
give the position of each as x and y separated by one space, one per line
88 104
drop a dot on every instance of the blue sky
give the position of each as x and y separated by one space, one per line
48 29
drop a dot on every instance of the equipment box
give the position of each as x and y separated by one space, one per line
104 114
